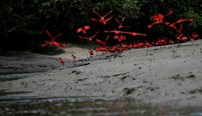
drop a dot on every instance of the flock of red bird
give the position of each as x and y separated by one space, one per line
120 36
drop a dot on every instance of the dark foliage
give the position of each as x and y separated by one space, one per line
23 21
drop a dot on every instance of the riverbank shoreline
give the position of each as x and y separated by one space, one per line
166 74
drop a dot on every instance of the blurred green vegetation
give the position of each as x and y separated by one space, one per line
23 21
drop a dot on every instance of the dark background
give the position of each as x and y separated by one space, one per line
23 21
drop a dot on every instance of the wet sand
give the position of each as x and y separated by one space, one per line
166 75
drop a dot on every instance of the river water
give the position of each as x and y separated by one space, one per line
83 106
89 106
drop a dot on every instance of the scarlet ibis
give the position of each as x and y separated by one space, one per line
195 35
89 38
73 56
120 38
120 22
148 44
91 53
83 30
62 61
183 20
133 33
113 31
135 45
173 25
102 18
171 42
104 48
158 18
52 41
104 22
157 22
180 37
101 42
169 13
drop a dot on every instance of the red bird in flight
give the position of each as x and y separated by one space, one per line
120 22
120 38
102 18
173 25
158 18
113 31
83 30
52 41
89 38
104 22
101 42
134 33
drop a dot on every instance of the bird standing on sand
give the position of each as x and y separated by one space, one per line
62 61
91 53
74 56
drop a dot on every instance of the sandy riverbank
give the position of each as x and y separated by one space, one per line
169 74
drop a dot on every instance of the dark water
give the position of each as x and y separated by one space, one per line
91 106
